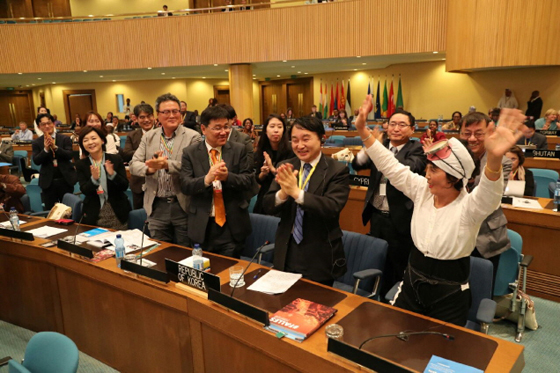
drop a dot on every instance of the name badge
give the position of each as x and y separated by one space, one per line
383 189
100 190
55 162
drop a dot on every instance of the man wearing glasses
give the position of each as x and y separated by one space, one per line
388 210
492 237
53 152
216 173
158 159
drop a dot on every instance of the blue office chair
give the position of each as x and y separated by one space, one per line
352 141
252 203
335 140
551 188
136 219
34 195
365 258
542 179
26 203
76 203
123 141
48 352
34 165
263 229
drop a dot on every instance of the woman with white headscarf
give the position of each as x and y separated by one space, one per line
508 100
446 218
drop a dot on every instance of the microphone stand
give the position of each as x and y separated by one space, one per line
142 241
247 267
77 227
404 336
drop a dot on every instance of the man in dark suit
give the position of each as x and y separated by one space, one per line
53 152
189 118
530 137
388 210
215 173
534 106
145 115
315 113
309 193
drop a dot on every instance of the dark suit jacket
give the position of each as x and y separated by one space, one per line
325 198
116 188
245 140
194 167
132 143
190 121
318 115
534 108
45 160
539 140
529 183
400 206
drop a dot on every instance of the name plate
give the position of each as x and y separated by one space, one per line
554 154
549 132
340 128
191 277
359 180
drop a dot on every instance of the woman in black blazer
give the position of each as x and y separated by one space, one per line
103 181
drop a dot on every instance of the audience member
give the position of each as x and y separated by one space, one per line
75 136
290 116
273 148
508 100
103 182
530 137
189 118
77 121
248 129
548 122
492 237
334 115
518 172
494 114
127 109
158 159
245 6
22 134
133 122
432 133
534 106
164 12
388 210
56 122
212 102
145 115
109 118
112 141
6 152
455 122
342 119
11 190
53 152
229 6
355 116
215 174
446 218
309 192
40 110
315 113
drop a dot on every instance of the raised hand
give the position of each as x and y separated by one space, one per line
109 167
286 177
500 139
361 121
268 163
95 172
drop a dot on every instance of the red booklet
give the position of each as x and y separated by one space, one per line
299 319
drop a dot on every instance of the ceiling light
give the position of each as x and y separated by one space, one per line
203 77
293 67
173 78
162 73
284 61
149 68
215 64
114 80
101 76
32 84
27 85
443 59
306 73
53 82
85 71
435 52
299 72
358 56
20 73
355 69
254 74
254 78
91 15
226 70
363 63
39 78
278 76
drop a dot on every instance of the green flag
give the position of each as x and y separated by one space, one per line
399 95
385 106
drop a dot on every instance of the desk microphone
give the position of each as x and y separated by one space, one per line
77 227
142 242
8 216
246 268
404 336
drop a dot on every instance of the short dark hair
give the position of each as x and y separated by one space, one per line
41 116
496 111
231 111
110 112
87 129
184 102
166 97
312 124
473 118
213 113
530 123
519 153
247 119
143 108
43 107
457 112
411 118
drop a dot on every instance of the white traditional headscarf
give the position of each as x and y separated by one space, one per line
454 159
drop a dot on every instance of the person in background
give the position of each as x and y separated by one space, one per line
549 122
22 134
334 115
75 136
315 113
248 129
164 12
11 190
508 100
290 116
283 116
432 133
133 122
103 182
534 106
273 148
494 114
6 152
77 121
355 116
57 123
145 115
342 119
109 118
189 118
455 122
530 137
229 6
518 172
127 108
53 152
212 102
112 142
40 110
245 6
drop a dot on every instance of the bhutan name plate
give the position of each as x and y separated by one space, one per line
554 154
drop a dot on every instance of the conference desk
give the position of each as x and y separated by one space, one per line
137 325
355 133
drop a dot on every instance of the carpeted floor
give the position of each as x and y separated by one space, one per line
542 347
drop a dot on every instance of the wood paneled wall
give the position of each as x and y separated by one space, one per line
317 31
497 33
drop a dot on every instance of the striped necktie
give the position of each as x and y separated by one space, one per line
298 224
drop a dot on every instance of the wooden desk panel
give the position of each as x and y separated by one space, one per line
546 163
552 142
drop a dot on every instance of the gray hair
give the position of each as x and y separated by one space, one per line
166 97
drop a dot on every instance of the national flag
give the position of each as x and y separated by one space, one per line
400 102
321 97
391 101
342 102
378 102
385 101
331 106
335 107
325 105
348 105
370 114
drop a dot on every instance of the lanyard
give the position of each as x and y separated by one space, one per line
303 183
167 145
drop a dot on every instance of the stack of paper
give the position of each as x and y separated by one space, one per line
526 203
275 282
132 240
46 232
8 225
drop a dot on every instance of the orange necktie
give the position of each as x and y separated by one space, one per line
219 208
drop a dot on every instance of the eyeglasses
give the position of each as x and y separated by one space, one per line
143 117
168 112
45 123
401 125
220 129
478 135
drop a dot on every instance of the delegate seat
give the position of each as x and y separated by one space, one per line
542 179
263 230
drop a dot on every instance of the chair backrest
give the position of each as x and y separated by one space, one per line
263 229
128 193
516 240
25 201
362 252
352 141
34 194
20 153
551 188
34 165
543 178
50 352
123 141
508 266
76 203
252 203
136 219
337 140
480 284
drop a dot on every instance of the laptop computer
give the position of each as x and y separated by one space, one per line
515 188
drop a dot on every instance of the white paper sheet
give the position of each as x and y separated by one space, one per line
46 232
7 225
132 240
526 203
275 282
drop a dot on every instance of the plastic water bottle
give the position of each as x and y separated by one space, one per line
557 196
14 219
119 250
198 262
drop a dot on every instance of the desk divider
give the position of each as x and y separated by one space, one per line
144 271
24 236
238 306
76 249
